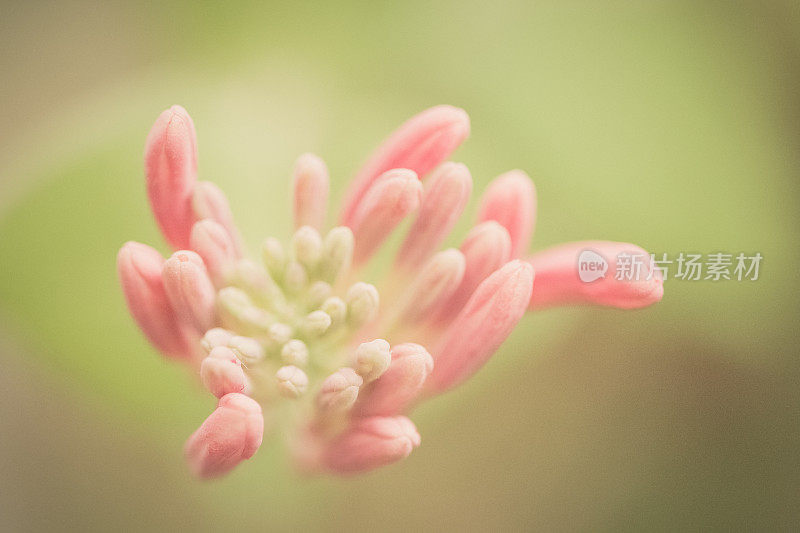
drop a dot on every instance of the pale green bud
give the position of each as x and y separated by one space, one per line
336 309
292 381
253 279
295 278
362 303
372 359
317 293
307 247
280 333
274 257
337 253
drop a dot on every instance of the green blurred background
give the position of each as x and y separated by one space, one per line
673 125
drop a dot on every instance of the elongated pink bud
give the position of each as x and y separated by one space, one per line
393 196
613 274
208 201
190 290
370 443
510 199
221 373
214 246
446 194
230 435
311 186
431 290
420 144
482 326
486 248
171 167
139 268
399 386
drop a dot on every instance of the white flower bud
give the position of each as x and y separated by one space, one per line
295 352
317 293
362 303
215 337
316 323
247 350
295 278
372 359
339 391
292 381
279 333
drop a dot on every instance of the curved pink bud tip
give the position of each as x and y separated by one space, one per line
392 197
510 199
208 201
399 386
339 391
139 269
171 167
190 290
370 443
221 373
486 248
479 330
446 194
311 186
214 245
420 144
616 274
230 435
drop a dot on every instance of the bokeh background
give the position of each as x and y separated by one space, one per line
673 125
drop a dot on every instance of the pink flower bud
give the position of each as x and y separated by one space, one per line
370 443
339 391
482 326
431 290
310 191
486 248
190 290
446 194
230 435
391 198
171 167
208 201
139 268
214 246
221 373
419 144
399 386
558 281
510 199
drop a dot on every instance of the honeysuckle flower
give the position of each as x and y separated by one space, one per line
298 331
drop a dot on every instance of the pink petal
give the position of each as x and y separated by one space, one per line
558 283
486 248
221 373
370 443
214 246
446 194
230 435
399 386
139 268
510 200
392 197
190 290
171 169
208 201
420 144
488 318
310 191
433 287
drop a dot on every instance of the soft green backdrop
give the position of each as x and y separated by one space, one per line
673 125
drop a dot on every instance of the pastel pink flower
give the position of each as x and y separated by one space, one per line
300 326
